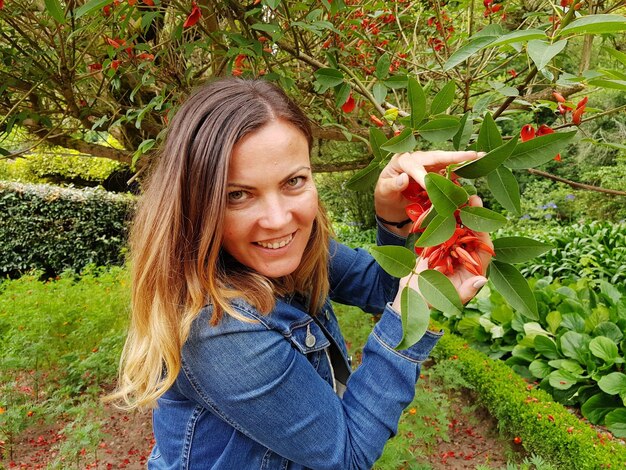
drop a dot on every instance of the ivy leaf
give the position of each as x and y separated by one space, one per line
489 135
439 230
539 150
439 291
443 100
417 102
415 317
505 189
488 163
440 129
511 284
542 52
404 142
482 219
518 249
463 135
444 194
395 260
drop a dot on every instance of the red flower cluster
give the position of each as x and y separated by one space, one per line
349 105
193 17
491 8
577 115
460 251
528 132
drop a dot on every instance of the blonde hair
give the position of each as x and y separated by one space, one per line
177 263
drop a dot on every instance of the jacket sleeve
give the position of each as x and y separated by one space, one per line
255 380
357 279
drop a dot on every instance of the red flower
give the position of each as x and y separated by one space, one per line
132 2
496 8
239 60
563 109
577 115
94 67
558 157
1 4
115 64
193 17
517 440
460 251
349 105
558 97
376 121
106 11
566 3
513 73
237 72
527 133
145 56
150 3
543 130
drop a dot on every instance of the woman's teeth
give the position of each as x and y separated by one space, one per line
276 245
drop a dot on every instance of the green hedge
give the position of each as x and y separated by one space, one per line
546 428
54 229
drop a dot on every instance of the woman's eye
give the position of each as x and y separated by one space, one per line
296 181
236 196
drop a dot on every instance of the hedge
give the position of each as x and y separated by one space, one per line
53 229
545 427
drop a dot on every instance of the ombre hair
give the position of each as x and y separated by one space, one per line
177 263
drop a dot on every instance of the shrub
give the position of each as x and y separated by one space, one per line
54 229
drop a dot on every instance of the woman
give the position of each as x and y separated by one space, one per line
233 338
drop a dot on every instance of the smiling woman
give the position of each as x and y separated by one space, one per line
233 339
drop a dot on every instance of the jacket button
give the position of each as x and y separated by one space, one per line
327 314
310 338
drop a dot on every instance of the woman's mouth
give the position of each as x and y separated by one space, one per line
276 243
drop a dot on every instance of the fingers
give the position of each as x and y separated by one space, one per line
391 185
475 201
470 287
443 157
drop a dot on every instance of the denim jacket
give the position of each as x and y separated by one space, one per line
259 395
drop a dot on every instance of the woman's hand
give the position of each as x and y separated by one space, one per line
394 179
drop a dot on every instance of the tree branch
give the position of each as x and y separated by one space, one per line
576 185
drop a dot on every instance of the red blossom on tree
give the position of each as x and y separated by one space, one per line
194 16
544 129
349 105
376 121
527 133
577 115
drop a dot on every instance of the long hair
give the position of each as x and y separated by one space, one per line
177 263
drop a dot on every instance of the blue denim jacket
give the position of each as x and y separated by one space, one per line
259 395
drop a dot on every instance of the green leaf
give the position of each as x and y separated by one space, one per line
620 56
329 77
519 36
404 142
463 135
540 369
379 91
397 82
554 319
439 291
595 24
468 50
542 52
439 230
546 347
518 249
365 178
91 6
613 384
415 317
489 136
488 163
511 284
539 150
395 260
377 140
605 349
505 189
342 92
382 66
575 345
612 84
56 10
598 406
481 219
615 421
562 379
443 100
440 129
444 194
417 102
273 4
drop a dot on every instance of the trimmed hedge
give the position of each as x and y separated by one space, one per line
54 229
545 427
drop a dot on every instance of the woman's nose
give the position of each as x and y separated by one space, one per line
275 213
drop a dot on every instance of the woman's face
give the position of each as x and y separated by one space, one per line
272 200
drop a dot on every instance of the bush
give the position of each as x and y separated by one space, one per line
53 229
